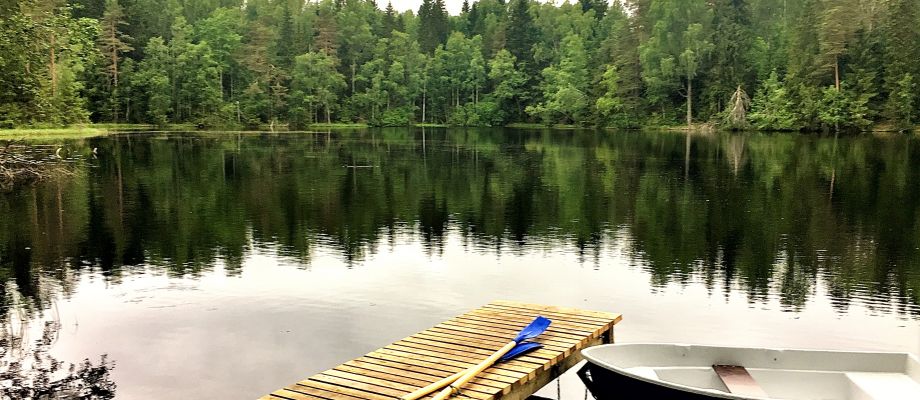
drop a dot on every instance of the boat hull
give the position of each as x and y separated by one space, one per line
605 384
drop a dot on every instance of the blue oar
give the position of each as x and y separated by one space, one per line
511 350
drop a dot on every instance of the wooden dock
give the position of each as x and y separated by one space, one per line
458 343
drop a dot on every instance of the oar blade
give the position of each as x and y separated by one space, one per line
520 349
538 326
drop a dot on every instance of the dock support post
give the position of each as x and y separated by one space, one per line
607 337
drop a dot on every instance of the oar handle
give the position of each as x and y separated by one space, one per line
473 371
418 394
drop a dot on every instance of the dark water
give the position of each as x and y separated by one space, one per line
226 265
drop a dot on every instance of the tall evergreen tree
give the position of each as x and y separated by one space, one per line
433 26
113 43
521 34
902 70
731 61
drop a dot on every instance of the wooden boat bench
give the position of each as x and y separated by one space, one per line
458 343
738 380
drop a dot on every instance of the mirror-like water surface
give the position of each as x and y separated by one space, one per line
227 265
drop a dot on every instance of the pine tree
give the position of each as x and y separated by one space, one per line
902 50
433 25
285 46
620 50
838 26
521 35
731 65
390 21
112 44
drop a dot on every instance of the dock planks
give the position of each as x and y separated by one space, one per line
458 343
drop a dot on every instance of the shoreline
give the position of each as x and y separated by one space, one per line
94 130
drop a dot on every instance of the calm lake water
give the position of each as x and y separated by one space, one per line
226 265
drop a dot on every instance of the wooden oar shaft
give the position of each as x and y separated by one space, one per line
418 394
473 371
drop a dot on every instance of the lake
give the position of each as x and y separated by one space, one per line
231 264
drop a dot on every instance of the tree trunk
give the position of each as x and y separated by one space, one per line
689 103
52 68
836 73
424 102
352 78
220 77
328 115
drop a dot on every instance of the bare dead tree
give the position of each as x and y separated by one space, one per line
738 105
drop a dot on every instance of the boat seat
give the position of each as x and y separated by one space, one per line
869 385
738 380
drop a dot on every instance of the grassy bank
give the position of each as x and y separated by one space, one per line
76 132
338 125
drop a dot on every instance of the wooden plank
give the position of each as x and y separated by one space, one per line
509 332
549 313
513 365
447 361
523 319
502 379
455 345
398 382
471 349
410 377
545 352
599 315
342 390
518 322
739 381
295 391
565 342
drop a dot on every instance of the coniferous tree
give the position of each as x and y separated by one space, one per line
731 64
433 25
390 21
771 108
902 50
521 34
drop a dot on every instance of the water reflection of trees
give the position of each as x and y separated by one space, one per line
28 371
773 215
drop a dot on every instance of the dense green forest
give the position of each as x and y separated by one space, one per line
764 64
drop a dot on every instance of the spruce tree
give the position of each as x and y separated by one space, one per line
731 62
902 52
433 25
113 43
521 34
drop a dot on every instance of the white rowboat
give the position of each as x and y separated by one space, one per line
708 372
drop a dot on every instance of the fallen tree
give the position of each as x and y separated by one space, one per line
25 163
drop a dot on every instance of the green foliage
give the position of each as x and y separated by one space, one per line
903 103
316 84
565 87
844 108
631 64
771 108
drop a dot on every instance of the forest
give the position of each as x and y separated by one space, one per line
809 65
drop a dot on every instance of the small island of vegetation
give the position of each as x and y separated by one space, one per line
764 64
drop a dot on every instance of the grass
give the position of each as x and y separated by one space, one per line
76 132
338 125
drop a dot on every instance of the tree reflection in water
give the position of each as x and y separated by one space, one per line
764 215
29 372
